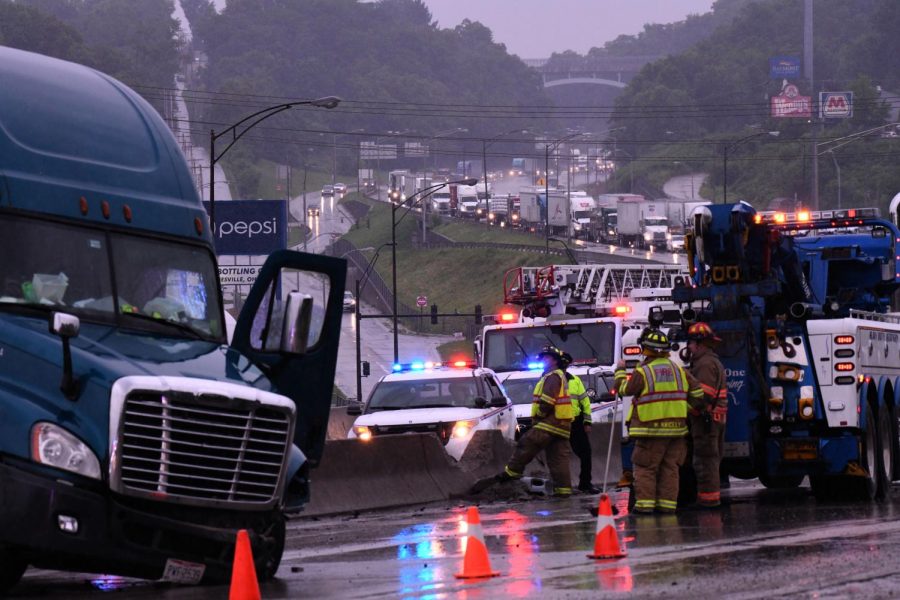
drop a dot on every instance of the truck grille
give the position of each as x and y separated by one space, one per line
442 430
201 449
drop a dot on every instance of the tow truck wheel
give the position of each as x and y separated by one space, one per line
866 487
886 465
11 570
268 557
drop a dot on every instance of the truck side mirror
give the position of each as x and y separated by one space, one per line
66 326
296 324
498 401
480 402
354 409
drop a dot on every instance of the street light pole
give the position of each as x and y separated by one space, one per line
547 147
327 102
411 200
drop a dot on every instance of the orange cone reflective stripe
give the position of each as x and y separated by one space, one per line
606 541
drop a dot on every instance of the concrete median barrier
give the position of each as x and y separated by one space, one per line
339 423
385 472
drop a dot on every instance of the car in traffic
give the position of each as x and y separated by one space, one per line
328 190
676 243
340 188
451 400
313 210
349 301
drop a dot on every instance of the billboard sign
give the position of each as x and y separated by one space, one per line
250 226
835 105
784 67
790 104
238 274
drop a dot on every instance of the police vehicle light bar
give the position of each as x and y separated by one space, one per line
431 365
835 218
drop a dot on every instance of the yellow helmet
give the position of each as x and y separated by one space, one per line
655 340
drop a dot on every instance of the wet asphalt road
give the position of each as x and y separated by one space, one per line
765 544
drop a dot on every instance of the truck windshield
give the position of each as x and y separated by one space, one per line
136 282
583 214
656 222
514 349
424 393
520 391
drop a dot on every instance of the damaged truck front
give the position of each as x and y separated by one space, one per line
134 440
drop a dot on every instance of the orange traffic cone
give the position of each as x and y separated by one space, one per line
244 585
606 542
476 563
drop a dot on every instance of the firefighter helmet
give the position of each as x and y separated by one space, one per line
701 331
567 359
555 352
655 340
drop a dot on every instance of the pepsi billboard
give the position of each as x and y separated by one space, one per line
249 226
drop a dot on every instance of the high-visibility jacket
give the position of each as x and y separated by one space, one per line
661 390
707 369
581 402
552 413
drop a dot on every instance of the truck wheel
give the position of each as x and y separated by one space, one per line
11 570
866 487
886 466
267 557
781 482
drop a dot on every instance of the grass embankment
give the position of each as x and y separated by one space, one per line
270 186
471 232
457 350
454 279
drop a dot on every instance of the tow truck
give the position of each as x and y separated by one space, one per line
812 354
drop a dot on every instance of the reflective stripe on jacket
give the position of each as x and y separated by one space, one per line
553 413
709 372
661 402
581 402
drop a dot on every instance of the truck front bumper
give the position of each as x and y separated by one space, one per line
113 536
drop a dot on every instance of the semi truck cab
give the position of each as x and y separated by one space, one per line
135 439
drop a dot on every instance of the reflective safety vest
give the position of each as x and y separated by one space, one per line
660 410
559 422
581 402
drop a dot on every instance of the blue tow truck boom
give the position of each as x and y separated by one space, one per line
134 439
812 353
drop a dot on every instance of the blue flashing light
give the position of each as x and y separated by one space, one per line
417 366
535 365
397 367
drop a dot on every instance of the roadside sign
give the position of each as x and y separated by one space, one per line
791 104
238 274
835 105
784 67
422 301
255 227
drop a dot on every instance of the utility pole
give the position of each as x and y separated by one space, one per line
808 71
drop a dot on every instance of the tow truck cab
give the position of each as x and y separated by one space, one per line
135 440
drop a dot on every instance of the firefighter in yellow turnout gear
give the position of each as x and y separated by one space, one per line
657 421
708 423
552 414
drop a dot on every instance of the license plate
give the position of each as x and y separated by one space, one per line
182 571
800 450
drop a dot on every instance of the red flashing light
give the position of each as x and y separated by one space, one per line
459 363
632 351
507 317
844 366
844 339
803 215
623 309
779 217
851 213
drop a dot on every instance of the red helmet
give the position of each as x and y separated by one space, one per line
701 331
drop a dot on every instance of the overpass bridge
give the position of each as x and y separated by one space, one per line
611 71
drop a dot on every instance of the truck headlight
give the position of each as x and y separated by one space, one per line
668 236
610 232
53 446
463 428
648 236
362 433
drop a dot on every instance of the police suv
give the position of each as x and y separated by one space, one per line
452 400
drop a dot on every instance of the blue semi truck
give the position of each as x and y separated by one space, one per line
134 439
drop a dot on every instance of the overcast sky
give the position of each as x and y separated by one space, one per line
538 28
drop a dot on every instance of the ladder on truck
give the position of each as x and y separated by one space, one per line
590 289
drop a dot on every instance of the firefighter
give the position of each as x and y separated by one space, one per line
552 413
657 422
581 428
707 424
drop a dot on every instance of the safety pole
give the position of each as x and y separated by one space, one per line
612 431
